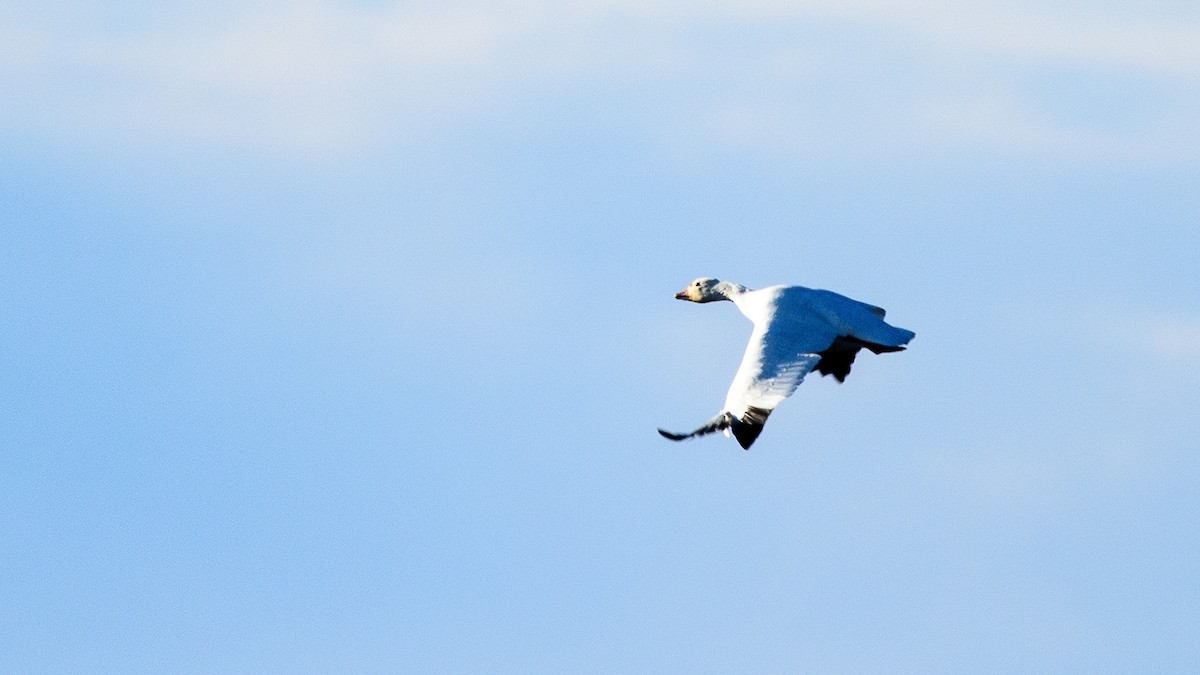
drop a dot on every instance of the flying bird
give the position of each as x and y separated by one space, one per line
796 330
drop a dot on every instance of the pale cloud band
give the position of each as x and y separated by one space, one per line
324 78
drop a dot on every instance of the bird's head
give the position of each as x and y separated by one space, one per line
704 289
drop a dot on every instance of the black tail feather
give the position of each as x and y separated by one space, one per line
839 356
748 428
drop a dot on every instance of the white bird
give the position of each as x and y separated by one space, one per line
796 330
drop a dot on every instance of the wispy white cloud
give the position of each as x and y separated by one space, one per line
327 77
976 77
1006 123
1166 338
1042 34
1174 339
314 76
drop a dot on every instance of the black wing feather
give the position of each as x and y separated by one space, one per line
718 423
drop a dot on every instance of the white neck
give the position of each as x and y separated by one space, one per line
729 290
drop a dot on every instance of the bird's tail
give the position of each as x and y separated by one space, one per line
886 335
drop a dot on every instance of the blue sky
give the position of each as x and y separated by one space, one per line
337 335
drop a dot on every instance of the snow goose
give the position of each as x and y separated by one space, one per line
796 330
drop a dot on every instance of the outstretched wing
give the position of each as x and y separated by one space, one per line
777 358
745 430
774 364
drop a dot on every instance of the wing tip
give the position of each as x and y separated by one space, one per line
718 423
668 435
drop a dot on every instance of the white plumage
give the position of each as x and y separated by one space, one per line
796 330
